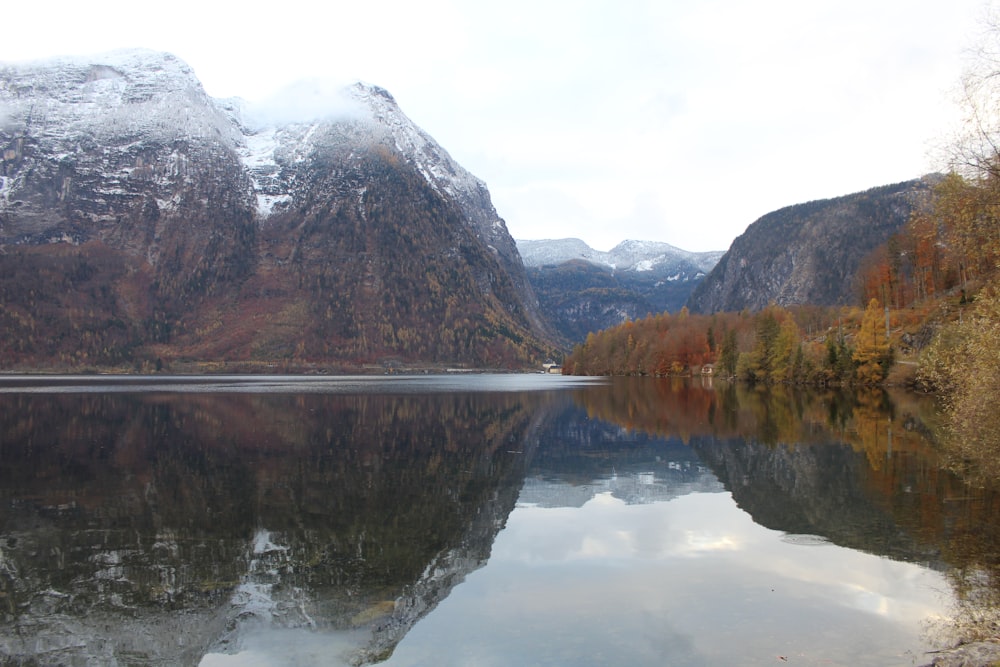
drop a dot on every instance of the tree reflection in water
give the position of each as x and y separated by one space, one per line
789 456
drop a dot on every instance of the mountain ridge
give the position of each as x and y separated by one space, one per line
630 254
808 253
348 238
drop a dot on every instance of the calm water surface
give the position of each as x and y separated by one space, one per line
479 520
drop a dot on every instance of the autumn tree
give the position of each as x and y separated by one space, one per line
786 356
876 276
963 362
969 211
970 198
872 354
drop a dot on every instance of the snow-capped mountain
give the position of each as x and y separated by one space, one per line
125 149
629 255
365 115
349 235
585 290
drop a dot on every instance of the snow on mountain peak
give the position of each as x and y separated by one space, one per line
318 115
434 163
118 97
629 255
70 78
133 92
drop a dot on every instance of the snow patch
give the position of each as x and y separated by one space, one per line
305 146
266 203
168 204
262 543
6 186
259 151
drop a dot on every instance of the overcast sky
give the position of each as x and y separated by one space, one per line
666 120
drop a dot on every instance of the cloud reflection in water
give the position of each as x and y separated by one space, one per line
689 581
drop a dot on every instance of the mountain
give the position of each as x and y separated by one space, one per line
142 220
808 253
584 290
632 256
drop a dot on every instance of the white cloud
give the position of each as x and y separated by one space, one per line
303 101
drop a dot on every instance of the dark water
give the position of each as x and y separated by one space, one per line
480 520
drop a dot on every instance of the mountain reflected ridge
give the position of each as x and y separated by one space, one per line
209 528
205 514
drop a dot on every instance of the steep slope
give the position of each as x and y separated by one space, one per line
808 253
141 219
128 151
584 290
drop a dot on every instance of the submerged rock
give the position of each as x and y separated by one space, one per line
976 654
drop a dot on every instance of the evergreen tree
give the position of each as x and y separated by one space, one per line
729 354
762 356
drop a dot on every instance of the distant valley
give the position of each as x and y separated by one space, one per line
807 253
582 290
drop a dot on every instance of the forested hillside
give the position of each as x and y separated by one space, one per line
579 297
776 345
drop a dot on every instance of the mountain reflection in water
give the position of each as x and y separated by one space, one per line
332 521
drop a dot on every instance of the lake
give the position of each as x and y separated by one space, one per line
480 520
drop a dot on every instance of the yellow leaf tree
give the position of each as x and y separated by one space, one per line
872 353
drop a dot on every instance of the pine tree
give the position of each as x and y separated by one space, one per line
729 354
762 355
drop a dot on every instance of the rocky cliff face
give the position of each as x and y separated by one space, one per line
584 290
143 219
126 151
808 253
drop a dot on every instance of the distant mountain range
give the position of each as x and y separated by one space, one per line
630 255
582 290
